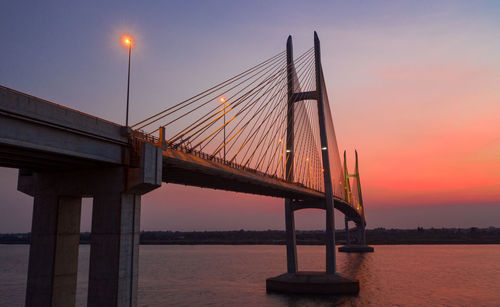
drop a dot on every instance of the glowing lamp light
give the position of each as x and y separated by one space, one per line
223 99
323 148
288 150
127 41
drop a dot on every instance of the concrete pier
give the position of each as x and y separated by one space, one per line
312 283
356 249
53 260
291 244
114 250
361 247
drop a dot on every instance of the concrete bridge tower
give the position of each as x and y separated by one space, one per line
293 281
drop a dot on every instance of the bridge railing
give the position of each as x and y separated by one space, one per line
141 136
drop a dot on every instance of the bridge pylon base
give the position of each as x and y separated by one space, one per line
312 283
356 249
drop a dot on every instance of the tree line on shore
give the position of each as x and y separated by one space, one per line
420 235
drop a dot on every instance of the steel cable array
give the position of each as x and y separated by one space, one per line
243 122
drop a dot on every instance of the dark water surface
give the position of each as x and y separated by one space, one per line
404 275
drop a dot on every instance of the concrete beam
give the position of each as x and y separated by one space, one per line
148 176
43 111
312 95
35 126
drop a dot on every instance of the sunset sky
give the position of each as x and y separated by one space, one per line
414 86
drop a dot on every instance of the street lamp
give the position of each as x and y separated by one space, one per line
128 42
223 100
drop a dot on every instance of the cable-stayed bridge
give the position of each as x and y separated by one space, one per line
266 131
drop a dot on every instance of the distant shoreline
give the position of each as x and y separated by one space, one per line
378 236
279 244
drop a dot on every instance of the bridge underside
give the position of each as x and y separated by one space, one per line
187 169
44 161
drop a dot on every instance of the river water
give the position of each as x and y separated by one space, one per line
404 275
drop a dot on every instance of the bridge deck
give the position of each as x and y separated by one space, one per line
39 135
188 169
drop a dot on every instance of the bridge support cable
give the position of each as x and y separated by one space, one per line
302 136
272 114
158 116
255 105
263 153
253 135
246 107
239 128
263 131
216 112
307 147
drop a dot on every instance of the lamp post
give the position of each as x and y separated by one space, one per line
128 42
223 100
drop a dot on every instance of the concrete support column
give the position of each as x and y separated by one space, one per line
291 243
114 253
115 230
347 235
53 260
362 238
330 238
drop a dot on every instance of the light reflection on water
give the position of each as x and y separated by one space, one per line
412 275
